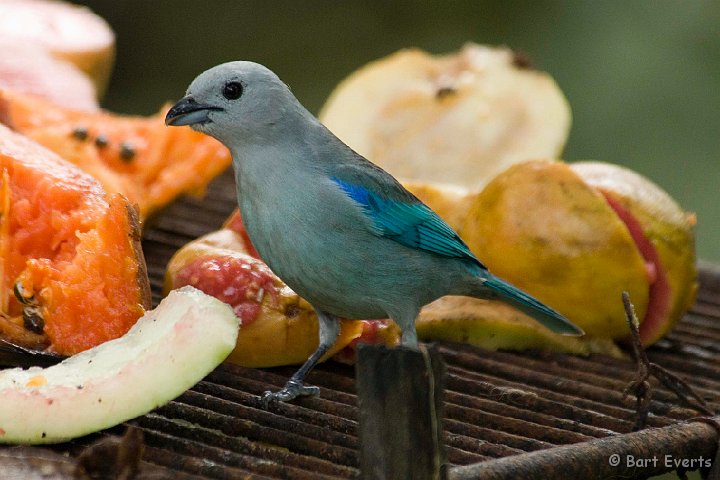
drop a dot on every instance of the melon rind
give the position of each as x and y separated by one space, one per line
169 350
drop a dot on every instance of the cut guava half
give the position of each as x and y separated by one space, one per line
166 352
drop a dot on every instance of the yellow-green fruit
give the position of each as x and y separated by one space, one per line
541 227
668 245
494 325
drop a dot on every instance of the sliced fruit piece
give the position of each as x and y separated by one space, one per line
384 332
234 224
136 156
460 118
495 325
70 32
541 227
278 327
72 270
169 350
664 234
31 69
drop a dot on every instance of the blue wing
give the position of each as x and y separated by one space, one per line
407 220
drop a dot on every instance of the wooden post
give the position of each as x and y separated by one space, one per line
400 395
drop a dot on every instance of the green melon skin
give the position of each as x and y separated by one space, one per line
169 350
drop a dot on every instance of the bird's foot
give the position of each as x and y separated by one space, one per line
292 390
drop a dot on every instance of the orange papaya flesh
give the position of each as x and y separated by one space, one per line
137 156
72 273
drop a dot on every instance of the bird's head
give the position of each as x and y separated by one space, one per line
233 100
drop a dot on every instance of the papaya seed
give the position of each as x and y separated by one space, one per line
127 152
22 295
33 320
80 133
101 141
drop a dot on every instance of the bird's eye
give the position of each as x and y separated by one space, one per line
232 90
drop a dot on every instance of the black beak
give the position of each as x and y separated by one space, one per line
188 112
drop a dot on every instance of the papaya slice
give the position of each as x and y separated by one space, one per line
136 156
72 272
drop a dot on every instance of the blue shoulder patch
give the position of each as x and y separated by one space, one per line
410 223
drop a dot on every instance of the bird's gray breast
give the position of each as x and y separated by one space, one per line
315 238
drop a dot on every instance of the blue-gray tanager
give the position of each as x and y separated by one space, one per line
340 231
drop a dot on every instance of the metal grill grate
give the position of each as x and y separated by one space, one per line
497 404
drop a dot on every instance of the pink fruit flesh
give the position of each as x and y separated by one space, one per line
235 224
369 335
242 283
659 296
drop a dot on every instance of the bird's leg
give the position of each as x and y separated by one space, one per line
329 329
409 337
406 322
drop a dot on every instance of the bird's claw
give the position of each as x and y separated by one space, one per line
292 390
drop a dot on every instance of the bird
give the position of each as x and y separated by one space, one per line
340 231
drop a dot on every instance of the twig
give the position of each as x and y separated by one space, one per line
642 388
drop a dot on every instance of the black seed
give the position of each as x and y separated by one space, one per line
101 141
22 296
44 434
127 151
33 320
81 133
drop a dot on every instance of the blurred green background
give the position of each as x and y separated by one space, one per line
642 77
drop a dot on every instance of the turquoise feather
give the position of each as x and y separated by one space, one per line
410 223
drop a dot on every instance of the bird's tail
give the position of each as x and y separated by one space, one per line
531 306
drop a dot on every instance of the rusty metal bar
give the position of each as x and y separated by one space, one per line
224 455
299 431
525 414
612 457
257 381
328 420
505 423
